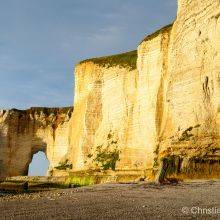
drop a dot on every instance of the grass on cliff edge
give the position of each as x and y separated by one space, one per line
126 60
156 33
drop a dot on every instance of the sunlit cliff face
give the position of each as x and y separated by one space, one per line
168 106
134 109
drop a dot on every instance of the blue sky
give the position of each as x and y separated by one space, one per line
41 40
39 165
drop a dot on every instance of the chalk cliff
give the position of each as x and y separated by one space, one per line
136 112
129 118
25 132
191 91
102 123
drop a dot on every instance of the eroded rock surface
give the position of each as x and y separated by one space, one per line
166 108
25 132
135 111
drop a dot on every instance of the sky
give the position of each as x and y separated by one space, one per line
42 40
39 165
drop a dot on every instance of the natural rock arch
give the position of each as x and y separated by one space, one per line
25 132
35 150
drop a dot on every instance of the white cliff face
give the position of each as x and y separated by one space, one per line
179 70
168 106
129 117
194 66
194 71
151 90
103 117
123 109
24 133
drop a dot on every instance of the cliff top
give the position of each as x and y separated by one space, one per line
42 109
126 60
155 34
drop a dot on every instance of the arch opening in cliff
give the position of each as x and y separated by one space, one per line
39 164
24 133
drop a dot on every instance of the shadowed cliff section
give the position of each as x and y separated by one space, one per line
25 132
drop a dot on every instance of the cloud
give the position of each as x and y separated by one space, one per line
172 3
107 35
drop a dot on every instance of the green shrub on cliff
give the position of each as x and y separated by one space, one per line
126 60
64 165
107 158
155 34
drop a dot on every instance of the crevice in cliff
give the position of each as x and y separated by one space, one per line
159 117
9 156
93 113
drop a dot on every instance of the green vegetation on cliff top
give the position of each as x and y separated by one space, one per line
156 33
126 60
45 110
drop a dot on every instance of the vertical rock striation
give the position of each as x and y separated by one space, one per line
192 128
105 93
156 109
153 72
166 108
